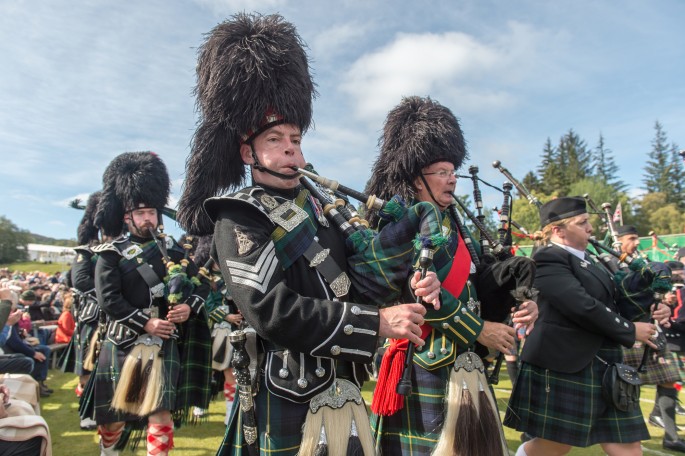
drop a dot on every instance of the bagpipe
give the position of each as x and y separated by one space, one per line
402 232
504 281
141 383
519 186
669 248
660 283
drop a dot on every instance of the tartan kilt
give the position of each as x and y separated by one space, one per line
67 360
107 374
662 367
416 428
86 403
85 334
569 408
283 418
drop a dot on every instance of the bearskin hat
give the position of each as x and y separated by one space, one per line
417 133
203 250
87 231
252 74
132 180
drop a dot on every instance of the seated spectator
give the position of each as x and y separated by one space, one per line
38 353
65 324
25 322
47 307
29 301
22 431
11 363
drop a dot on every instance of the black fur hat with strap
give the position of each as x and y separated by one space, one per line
87 231
417 133
252 74
132 180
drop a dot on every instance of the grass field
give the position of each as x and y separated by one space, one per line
60 411
49 268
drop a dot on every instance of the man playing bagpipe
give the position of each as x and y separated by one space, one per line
638 300
422 146
79 355
283 263
154 363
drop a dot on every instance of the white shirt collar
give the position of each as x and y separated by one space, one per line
578 253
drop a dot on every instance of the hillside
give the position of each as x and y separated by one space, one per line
40 239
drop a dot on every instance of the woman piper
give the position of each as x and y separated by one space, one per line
558 397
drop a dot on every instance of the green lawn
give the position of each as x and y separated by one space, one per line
49 268
60 411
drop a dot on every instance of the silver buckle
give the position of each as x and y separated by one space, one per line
341 285
288 215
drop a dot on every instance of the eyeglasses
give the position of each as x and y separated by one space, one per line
443 173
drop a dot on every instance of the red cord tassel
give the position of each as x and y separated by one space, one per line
385 400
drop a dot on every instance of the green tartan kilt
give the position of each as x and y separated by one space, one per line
107 374
569 408
83 345
416 428
662 367
284 420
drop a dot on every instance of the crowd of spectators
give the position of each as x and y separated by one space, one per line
35 312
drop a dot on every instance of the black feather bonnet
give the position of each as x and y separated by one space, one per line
132 180
87 232
417 133
252 74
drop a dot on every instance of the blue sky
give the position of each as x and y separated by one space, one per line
85 81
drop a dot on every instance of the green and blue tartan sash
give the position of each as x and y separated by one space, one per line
380 265
291 245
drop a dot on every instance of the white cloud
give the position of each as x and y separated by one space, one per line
224 7
477 75
337 40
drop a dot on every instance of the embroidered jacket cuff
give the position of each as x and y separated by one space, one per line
136 321
218 315
456 321
355 337
195 302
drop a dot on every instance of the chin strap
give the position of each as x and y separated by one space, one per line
428 187
259 167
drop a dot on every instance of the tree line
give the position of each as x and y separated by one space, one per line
14 241
572 168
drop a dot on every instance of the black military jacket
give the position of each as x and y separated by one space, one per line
124 296
577 312
293 310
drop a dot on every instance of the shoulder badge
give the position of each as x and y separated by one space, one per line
132 251
268 201
245 241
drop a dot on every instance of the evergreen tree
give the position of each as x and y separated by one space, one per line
531 183
605 167
575 158
13 241
550 170
675 176
657 176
